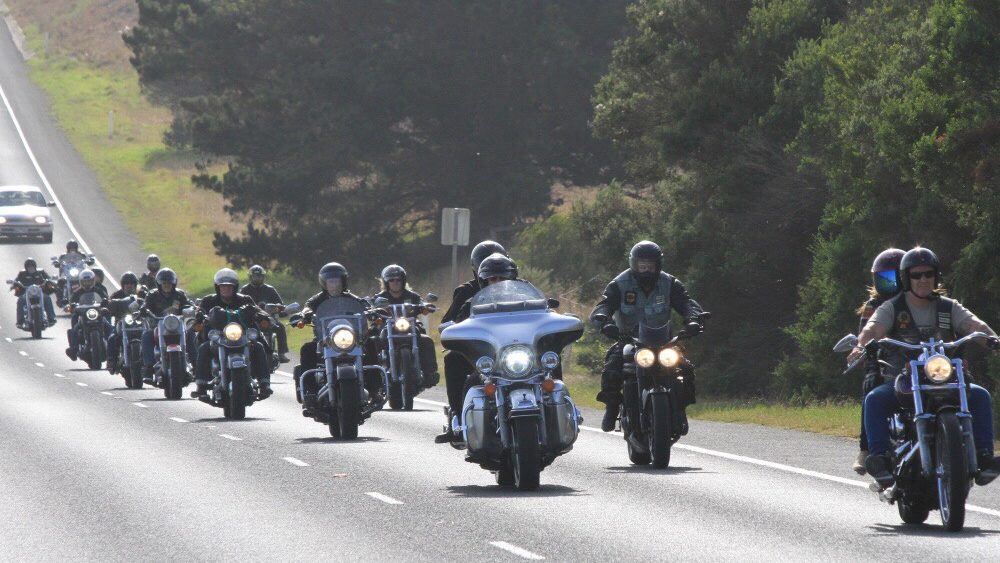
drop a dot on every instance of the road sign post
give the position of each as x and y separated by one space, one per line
455 223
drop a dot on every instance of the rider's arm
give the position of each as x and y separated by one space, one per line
966 322
680 301
606 307
874 330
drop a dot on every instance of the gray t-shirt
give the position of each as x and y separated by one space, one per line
924 316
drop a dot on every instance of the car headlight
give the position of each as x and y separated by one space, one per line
173 324
74 272
484 365
92 314
669 357
233 332
41 220
402 325
517 361
938 369
343 338
645 357
550 360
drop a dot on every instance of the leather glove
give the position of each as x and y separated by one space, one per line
612 331
694 327
993 342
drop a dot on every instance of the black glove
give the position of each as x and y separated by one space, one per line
993 342
612 331
694 328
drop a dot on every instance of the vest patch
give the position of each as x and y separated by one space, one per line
903 320
630 297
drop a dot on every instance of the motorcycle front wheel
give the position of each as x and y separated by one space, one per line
134 369
36 323
174 385
239 389
951 464
659 431
527 455
349 410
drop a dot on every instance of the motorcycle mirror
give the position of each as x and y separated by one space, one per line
846 344
443 326
601 319
431 298
188 311
381 301
292 308
553 303
10 282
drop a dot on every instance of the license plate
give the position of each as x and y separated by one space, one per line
173 347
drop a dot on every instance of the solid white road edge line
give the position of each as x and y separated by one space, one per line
294 461
754 461
48 186
383 498
520 552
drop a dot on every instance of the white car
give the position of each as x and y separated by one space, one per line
24 212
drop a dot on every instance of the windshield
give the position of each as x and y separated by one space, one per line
15 198
508 296
89 298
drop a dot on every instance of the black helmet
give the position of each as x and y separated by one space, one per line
497 265
72 246
225 276
645 250
885 272
153 262
393 272
99 273
166 275
484 249
257 273
917 256
129 278
333 270
30 263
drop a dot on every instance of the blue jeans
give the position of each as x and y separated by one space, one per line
50 313
881 404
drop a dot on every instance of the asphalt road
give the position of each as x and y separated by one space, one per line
92 471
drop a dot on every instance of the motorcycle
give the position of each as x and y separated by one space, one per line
33 306
232 386
933 452
130 328
334 393
69 276
92 346
170 372
654 393
520 419
270 335
400 348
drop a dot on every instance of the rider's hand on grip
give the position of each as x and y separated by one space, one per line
693 328
612 331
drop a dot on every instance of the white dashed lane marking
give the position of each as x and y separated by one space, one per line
519 551
40 364
229 437
383 498
81 384
140 405
177 419
295 461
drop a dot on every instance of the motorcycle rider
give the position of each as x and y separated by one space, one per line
165 299
99 278
918 313
494 268
262 293
72 254
456 367
885 286
333 279
227 298
396 291
31 275
88 284
148 279
643 292
118 304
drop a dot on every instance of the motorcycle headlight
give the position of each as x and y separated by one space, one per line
938 369
3 220
669 357
550 360
129 319
484 365
402 325
40 220
343 338
645 357
74 272
92 314
233 332
173 324
517 361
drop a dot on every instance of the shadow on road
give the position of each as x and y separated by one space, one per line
649 470
332 440
390 411
222 418
495 491
30 339
929 531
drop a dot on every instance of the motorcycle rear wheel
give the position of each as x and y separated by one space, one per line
951 463
527 457
659 436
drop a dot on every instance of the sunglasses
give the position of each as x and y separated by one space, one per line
917 275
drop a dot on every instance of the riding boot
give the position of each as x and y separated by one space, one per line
265 389
610 415
147 375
